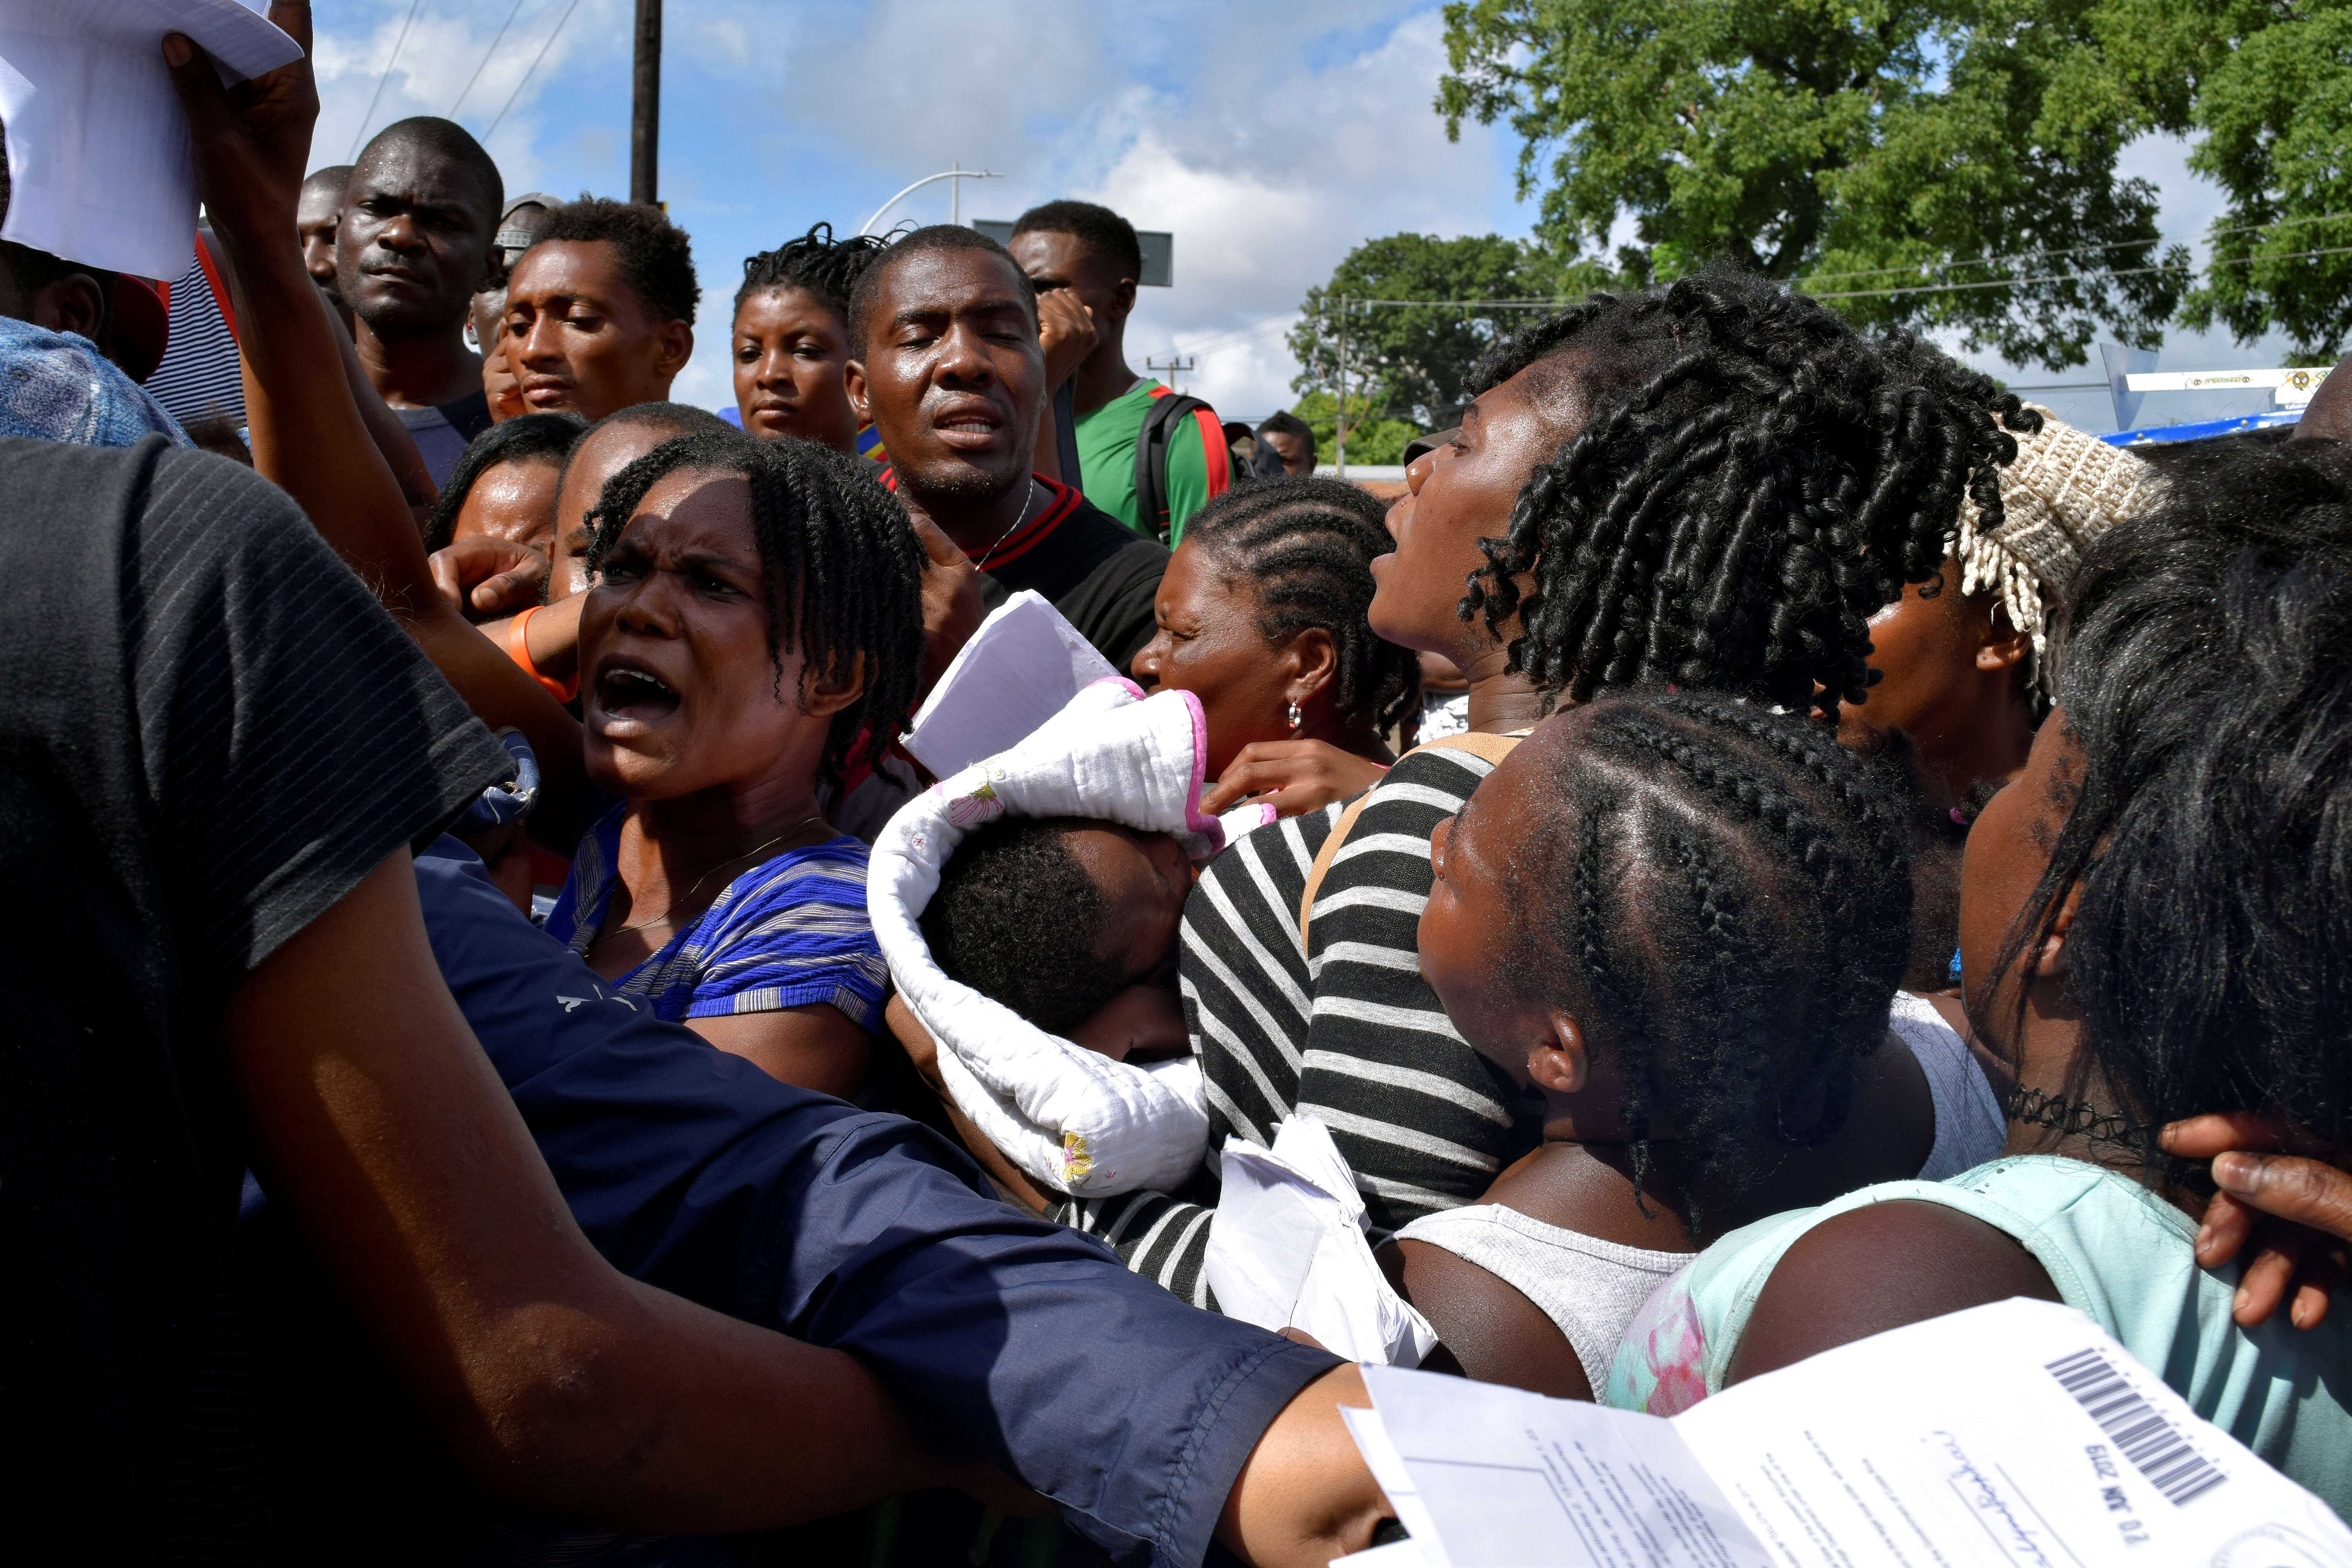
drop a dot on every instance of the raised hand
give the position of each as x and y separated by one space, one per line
251 141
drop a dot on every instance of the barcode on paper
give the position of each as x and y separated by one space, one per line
2156 1449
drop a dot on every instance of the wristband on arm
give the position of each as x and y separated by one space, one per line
519 649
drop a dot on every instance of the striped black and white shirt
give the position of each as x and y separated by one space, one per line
1349 1032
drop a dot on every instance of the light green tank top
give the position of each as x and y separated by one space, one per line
2115 1251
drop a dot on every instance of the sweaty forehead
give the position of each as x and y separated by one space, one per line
948 282
417 173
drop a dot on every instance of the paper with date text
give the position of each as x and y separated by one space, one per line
2011 1435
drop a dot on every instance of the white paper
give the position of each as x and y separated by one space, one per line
1020 669
99 163
1287 1251
1509 1479
1960 1431
1969 1441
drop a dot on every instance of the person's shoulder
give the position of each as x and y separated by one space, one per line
205 505
1127 408
1102 548
819 884
1876 1267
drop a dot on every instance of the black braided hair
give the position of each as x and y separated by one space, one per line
526 439
2205 679
842 571
1738 901
816 261
1306 545
1753 480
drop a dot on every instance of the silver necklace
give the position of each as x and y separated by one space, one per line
1032 500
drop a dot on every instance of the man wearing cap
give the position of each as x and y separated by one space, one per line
519 228
415 243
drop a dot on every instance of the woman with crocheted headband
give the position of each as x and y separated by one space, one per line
1965 655
1965 660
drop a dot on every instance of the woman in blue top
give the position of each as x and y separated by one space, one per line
755 629
2156 923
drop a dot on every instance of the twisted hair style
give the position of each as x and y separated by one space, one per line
817 262
842 572
1306 545
2205 681
1738 907
526 439
1752 481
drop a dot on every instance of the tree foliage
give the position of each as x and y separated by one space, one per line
1938 164
2275 113
1371 437
1410 360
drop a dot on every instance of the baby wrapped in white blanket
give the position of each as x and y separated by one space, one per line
1078 1119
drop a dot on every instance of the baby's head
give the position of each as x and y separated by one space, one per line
1678 916
1053 916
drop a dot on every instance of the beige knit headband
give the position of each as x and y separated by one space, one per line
2065 491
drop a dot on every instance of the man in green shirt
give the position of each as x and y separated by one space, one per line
1092 251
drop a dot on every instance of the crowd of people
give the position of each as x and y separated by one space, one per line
1770 838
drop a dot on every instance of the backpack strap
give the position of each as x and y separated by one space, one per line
1159 422
1491 749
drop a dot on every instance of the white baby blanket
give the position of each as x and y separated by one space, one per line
1072 1118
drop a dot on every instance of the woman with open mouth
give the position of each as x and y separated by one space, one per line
752 634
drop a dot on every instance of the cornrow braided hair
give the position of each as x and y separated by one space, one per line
1306 544
816 261
1739 909
1754 481
842 572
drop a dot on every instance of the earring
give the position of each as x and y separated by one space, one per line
1296 719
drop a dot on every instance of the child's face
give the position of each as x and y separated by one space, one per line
1144 879
1539 1039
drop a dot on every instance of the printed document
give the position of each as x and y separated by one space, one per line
2013 1435
99 164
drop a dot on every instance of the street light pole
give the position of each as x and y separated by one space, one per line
1341 427
644 118
959 174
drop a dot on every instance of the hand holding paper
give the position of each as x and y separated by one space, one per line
99 149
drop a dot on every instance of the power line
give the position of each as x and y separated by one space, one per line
534 68
397 45
486 59
2081 276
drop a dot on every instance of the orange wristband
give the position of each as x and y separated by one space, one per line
518 650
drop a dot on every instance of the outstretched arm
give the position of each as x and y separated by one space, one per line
250 145
558 1384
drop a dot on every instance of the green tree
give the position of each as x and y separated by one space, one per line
2275 113
1371 438
1412 360
1898 155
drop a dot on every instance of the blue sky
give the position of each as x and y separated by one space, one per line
1270 138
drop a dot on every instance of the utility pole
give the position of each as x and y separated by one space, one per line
1340 426
1175 366
645 120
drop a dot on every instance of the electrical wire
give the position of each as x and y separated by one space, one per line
485 59
534 68
2081 276
397 45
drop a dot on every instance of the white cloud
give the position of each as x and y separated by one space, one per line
362 86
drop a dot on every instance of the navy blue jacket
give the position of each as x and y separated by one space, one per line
692 1170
